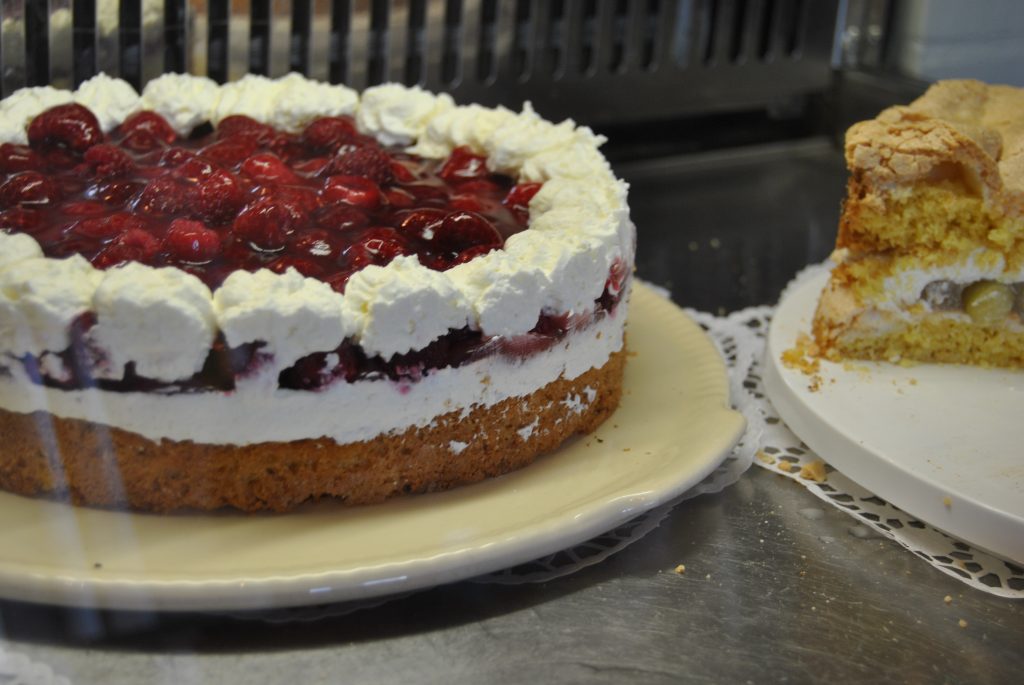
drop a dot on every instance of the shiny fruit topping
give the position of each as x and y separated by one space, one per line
28 189
108 161
149 123
134 245
70 126
368 162
163 195
518 199
327 134
220 198
267 224
462 165
352 190
266 168
15 158
191 241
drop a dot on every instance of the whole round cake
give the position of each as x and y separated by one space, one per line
267 292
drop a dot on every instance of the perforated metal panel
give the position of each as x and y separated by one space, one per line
598 60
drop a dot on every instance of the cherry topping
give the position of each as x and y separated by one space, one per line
108 161
28 189
241 126
84 208
220 197
384 244
230 152
368 162
318 243
150 123
306 267
463 230
327 134
134 245
71 126
518 199
104 228
14 158
341 217
268 223
268 169
463 164
352 190
18 219
191 241
163 195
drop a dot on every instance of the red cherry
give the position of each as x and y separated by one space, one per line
108 161
616 277
401 172
150 123
14 158
430 195
352 190
104 228
268 169
230 152
71 126
163 195
399 198
194 169
220 198
518 199
241 126
140 141
84 208
479 187
327 134
117 192
318 243
306 267
191 241
368 162
268 223
134 245
384 244
174 156
422 223
472 253
463 164
28 189
21 220
339 280
301 196
469 203
340 217
311 168
462 230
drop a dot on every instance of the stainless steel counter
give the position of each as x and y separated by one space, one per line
769 593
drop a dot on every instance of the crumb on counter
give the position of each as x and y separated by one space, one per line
764 457
962 623
947 501
814 471
784 465
680 569
947 599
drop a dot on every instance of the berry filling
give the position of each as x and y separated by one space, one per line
328 201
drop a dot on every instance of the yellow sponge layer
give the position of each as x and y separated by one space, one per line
944 216
935 339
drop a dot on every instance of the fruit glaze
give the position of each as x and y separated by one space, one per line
326 202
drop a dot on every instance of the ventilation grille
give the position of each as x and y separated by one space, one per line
598 60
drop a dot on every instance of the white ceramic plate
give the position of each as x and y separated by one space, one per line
942 442
672 429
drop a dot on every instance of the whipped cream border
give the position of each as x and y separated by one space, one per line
579 222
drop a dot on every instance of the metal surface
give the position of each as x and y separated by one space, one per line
601 61
776 587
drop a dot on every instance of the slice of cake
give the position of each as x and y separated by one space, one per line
273 291
930 251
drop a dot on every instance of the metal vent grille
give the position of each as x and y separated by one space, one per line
598 60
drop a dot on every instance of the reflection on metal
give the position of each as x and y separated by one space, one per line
60 26
597 60
279 36
12 45
196 42
107 37
239 33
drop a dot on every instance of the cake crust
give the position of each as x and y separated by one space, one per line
93 464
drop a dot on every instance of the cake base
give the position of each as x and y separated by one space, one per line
97 465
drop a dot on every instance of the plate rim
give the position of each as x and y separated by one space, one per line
241 592
973 521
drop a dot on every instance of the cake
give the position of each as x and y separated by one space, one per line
263 293
930 250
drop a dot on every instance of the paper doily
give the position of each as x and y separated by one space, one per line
783 453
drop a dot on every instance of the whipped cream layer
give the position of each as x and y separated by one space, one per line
345 412
578 228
